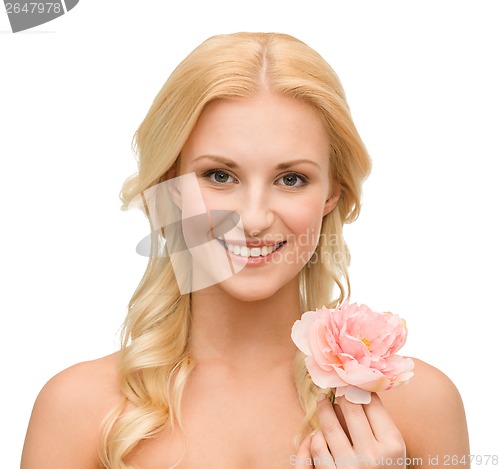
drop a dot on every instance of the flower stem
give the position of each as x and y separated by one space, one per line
332 396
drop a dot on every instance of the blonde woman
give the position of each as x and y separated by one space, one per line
255 128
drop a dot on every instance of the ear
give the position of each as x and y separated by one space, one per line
332 201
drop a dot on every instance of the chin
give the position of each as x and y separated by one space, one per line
258 288
247 292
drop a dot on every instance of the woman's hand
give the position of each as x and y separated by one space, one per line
370 439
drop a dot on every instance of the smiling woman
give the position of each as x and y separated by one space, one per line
255 127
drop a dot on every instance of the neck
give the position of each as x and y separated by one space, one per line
237 333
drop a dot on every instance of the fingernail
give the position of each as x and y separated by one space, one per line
320 397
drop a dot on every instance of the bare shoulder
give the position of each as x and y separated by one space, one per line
67 414
430 414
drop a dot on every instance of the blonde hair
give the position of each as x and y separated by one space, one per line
155 362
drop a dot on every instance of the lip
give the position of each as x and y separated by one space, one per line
251 261
252 244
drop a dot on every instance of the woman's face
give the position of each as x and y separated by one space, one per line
265 160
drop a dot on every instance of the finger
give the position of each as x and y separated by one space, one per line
333 432
340 417
320 451
381 422
357 423
303 459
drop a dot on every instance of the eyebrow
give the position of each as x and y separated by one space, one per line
232 164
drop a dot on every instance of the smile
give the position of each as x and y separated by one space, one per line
244 251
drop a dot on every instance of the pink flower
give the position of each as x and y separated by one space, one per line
353 350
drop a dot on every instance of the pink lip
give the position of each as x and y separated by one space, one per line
253 244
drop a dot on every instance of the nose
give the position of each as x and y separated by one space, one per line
256 211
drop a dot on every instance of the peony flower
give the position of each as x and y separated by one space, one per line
352 349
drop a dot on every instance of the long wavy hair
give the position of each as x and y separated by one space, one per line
154 361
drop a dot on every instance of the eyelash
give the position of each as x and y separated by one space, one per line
302 178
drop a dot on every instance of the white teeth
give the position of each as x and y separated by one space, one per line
255 252
244 251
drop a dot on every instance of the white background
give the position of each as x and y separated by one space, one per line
422 80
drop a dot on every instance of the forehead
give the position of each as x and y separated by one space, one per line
266 126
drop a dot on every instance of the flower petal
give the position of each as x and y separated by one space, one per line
323 378
354 394
300 331
356 374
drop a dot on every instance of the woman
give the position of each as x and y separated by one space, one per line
249 166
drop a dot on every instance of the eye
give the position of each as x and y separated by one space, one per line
291 180
218 176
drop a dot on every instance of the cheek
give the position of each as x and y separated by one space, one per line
222 216
216 201
304 219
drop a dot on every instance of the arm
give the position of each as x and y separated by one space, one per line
430 414
62 431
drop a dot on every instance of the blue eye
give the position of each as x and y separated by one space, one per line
219 176
291 179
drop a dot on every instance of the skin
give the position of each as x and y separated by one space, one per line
240 407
